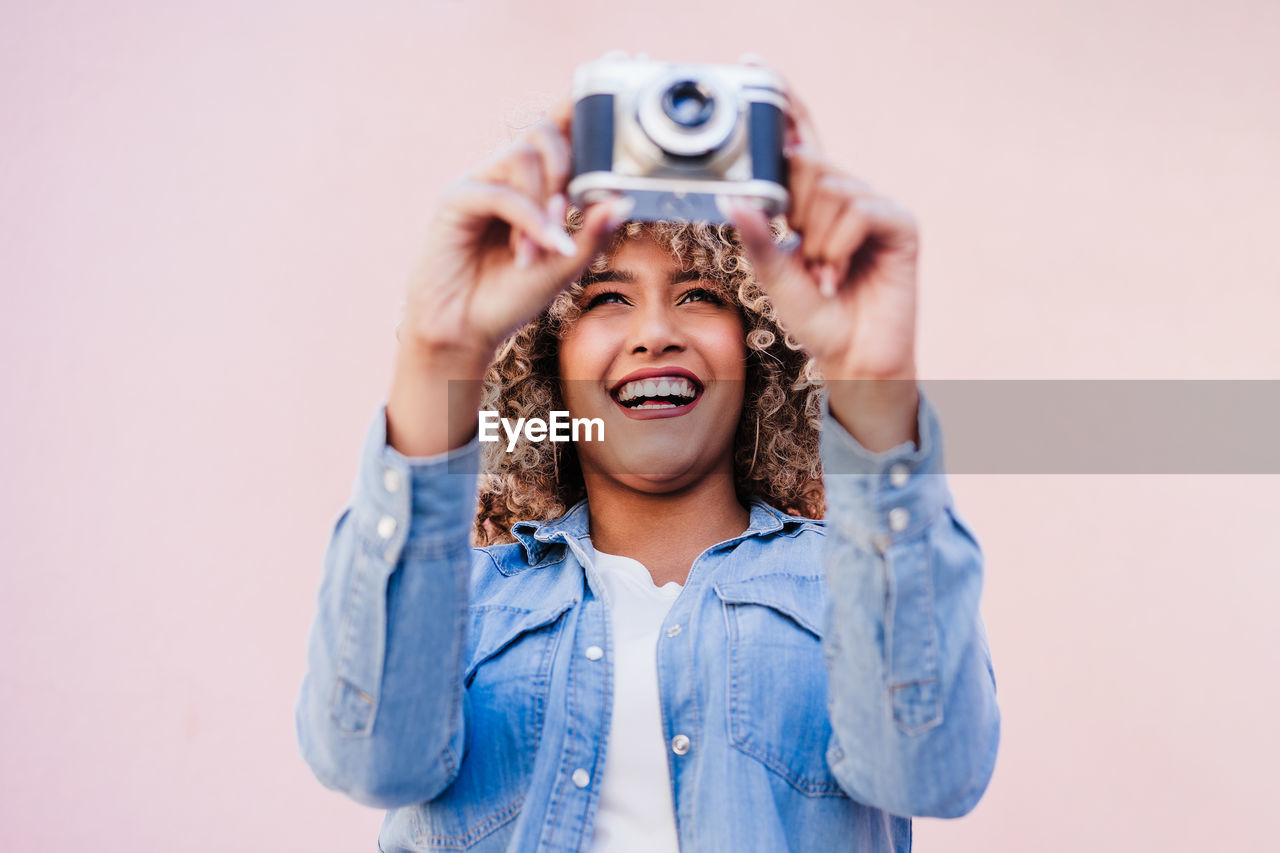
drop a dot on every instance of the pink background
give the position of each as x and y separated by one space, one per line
207 217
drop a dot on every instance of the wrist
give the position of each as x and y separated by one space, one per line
880 414
447 360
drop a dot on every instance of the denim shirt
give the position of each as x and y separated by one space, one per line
820 681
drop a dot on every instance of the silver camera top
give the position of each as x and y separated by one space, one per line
675 136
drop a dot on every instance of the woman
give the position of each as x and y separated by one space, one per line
658 645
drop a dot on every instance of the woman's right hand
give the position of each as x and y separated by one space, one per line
497 252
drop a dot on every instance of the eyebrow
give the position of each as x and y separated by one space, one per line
626 277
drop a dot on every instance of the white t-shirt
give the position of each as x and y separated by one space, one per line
636 813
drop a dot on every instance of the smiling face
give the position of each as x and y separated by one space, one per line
658 353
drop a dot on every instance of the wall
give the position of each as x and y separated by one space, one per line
207 216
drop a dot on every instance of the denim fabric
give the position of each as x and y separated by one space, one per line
832 677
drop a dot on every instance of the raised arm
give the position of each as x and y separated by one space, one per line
382 714
912 696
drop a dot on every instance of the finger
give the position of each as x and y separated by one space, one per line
477 201
869 218
800 126
561 116
517 166
846 236
891 224
553 151
805 168
599 221
757 238
829 198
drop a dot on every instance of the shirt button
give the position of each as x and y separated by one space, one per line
680 744
673 630
581 778
386 527
391 480
899 474
899 518
594 653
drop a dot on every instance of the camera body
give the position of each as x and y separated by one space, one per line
674 136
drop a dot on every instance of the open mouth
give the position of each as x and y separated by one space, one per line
658 392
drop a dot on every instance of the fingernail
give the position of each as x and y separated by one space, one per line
562 242
827 280
557 205
524 251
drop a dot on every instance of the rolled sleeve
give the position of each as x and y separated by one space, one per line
890 496
380 715
422 502
912 698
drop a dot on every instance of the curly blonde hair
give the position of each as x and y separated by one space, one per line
776 443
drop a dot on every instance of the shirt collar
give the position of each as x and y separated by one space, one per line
541 538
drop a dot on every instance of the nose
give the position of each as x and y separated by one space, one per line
656 329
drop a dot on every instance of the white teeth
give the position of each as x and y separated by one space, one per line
661 386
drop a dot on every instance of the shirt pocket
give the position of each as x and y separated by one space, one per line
507 682
777 677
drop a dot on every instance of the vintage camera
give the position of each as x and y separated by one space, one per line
673 137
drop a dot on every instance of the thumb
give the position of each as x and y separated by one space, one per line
757 237
599 221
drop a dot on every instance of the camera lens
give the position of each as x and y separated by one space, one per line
688 103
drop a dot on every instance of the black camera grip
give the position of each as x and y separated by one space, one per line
767 132
592 135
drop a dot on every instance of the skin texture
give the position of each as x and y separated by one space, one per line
496 254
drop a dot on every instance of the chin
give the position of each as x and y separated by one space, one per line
658 469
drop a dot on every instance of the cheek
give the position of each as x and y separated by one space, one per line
727 340
580 353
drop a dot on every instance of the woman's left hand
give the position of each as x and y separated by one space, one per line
846 291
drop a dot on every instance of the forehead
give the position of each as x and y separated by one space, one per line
639 254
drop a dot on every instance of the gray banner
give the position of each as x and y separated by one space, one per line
1101 426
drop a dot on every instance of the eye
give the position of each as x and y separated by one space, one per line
605 298
701 294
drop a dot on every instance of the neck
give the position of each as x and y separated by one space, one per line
666 532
